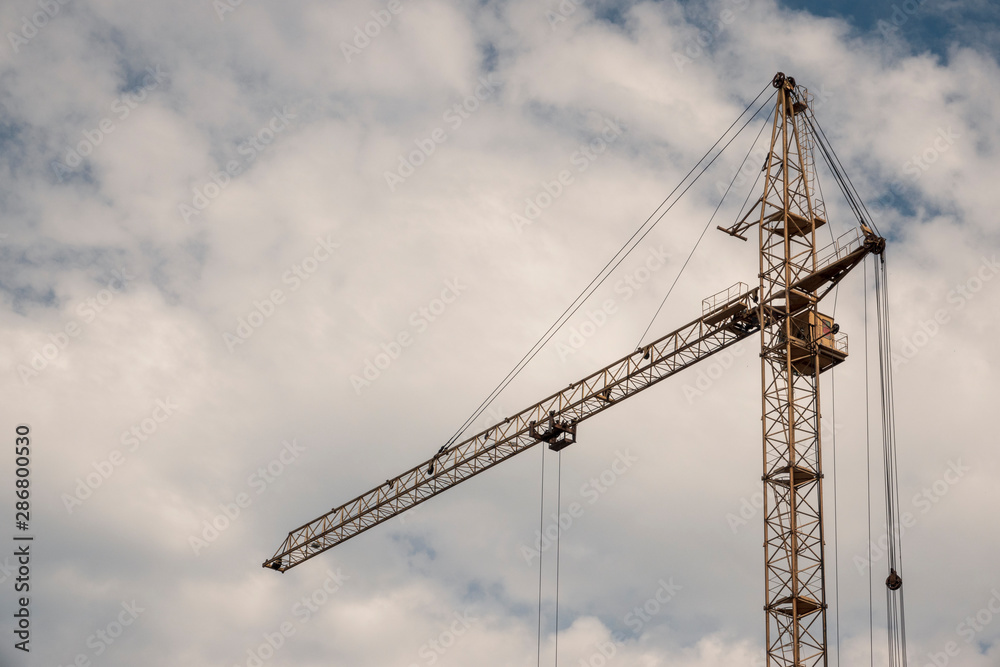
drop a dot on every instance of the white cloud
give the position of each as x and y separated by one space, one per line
324 177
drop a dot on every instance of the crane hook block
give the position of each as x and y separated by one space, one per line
559 434
894 582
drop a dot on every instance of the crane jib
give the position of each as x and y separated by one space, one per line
579 401
555 418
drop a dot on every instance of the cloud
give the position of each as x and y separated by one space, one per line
915 128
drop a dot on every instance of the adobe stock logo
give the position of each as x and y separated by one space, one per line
37 21
432 650
259 480
294 277
420 320
88 311
251 148
551 190
122 107
455 116
133 438
372 29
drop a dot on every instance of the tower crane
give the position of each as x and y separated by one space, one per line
797 344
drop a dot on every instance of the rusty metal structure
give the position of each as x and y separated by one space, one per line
553 420
797 344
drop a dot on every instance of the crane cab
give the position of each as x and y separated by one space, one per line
810 332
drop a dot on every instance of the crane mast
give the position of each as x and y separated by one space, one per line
797 344
793 477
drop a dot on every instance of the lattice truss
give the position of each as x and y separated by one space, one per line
727 323
792 474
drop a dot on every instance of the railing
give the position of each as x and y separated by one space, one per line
840 342
848 242
720 300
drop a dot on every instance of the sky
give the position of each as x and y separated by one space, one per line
256 258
